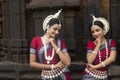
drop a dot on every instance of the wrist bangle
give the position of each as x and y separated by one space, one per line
94 52
52 66
103 64
58 49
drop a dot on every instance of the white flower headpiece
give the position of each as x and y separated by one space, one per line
48 18
103 21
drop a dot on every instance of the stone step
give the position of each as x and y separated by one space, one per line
17 71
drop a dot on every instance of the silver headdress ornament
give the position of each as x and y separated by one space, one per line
48 18
102 20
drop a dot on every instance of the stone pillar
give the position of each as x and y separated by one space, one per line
115 18
69 15
115 25
14 30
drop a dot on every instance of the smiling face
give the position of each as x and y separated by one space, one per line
97 31
53 31
54 27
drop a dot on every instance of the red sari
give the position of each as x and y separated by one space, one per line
111 46
37 48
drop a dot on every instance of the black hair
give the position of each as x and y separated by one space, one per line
98 23
54 21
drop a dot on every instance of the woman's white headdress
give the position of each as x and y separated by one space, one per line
48 18
103 21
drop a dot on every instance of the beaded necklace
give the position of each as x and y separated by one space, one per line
48 58
50 74
106 52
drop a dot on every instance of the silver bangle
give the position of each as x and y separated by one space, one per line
94 52
58 49
52 66
103 64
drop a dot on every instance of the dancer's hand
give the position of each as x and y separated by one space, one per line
90 67
53 43
59 65
98 41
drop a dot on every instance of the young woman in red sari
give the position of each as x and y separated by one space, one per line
51 52
101 52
